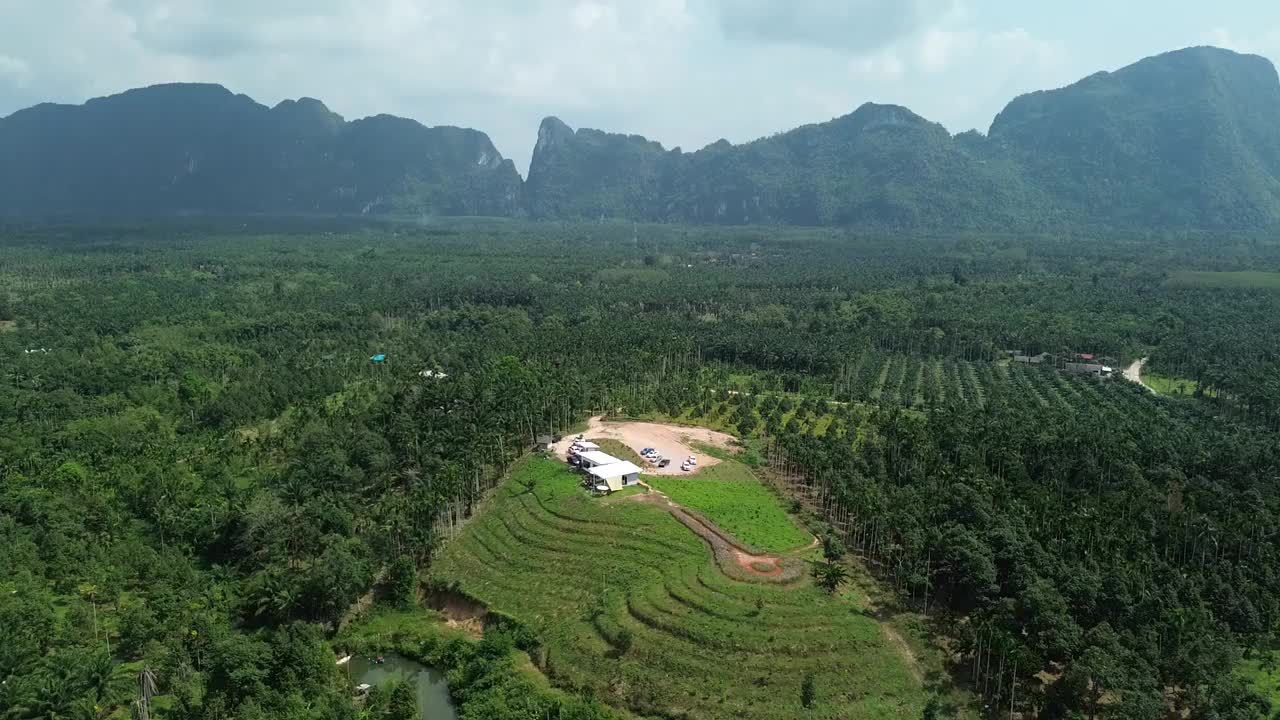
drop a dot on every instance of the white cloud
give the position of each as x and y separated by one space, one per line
14 70
880 66
938 48
589 15
857 25
1261 41
1223 38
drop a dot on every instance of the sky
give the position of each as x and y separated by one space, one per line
683 72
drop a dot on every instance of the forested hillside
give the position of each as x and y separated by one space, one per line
203 467
880 165
1184 140
175 149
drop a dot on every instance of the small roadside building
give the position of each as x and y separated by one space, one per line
591 458
1094 369
585 446
615 475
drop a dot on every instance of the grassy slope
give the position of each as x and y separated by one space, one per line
731 497
587 575
620 450
1169 386
1262 672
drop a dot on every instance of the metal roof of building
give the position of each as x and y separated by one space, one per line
595 457
617 469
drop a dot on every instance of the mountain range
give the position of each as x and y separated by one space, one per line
1187 139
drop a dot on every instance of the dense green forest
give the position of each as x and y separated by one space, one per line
205 473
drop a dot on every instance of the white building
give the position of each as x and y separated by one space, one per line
590 458
585 446
616 475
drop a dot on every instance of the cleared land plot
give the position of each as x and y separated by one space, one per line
672 441
1169 386
1248 280
1262 672
735 500
631 608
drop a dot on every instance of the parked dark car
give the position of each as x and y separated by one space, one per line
664 462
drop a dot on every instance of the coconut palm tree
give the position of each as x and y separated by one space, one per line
829 576
146 689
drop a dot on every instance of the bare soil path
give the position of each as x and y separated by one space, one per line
673 441
733 557
1133 373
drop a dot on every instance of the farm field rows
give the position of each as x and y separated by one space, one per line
631 606
921 381
945 383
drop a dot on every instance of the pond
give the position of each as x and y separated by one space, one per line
433 691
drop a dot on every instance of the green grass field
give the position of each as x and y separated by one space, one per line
734 499
1250 280
631 608
1177 387
620 450
1262 672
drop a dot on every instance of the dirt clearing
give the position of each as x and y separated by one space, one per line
460 612
1133 373
672 441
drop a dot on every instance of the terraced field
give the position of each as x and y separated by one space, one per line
731 497
631 607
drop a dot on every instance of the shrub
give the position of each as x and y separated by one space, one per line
832 548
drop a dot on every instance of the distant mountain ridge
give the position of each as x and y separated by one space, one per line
881 164
1186 139
200 148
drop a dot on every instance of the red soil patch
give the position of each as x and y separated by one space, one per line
459 612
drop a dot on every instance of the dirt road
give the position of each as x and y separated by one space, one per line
672 441
1133 373
734 558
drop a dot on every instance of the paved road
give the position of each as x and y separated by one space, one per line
1133 373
